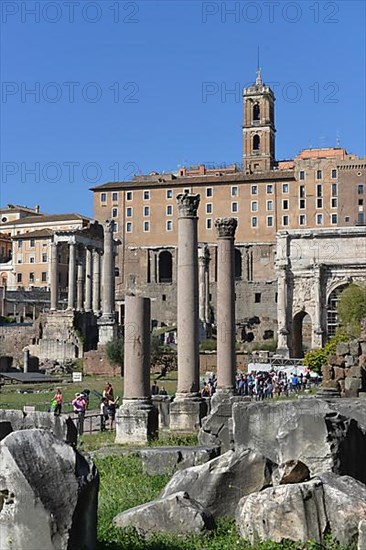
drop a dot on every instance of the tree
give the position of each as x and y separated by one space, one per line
115 351
352 309
317 358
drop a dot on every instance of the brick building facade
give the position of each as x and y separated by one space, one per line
320 188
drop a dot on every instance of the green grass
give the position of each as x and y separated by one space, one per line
124 485
40 395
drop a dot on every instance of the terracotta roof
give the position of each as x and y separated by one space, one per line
199 180
33 234
46 218
326 152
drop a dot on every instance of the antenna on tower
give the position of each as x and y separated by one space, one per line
338 139
258 80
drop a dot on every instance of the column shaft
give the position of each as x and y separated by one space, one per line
187 303
96 282
54 277
80 285
72 276
317 333
88 280
282 343
108 271
226 357
137 348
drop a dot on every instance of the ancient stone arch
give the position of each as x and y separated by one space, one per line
310 265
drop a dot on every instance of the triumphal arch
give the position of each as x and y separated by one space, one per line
313 267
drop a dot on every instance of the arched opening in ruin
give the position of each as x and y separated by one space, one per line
301 334
332 314
256 143
238 264
165 267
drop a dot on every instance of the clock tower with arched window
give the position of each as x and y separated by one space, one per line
258 128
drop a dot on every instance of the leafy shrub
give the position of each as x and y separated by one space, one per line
317 358
351 309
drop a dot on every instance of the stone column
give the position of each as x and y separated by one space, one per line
282 343
54 276
88 279
226 357
187 409
107 322
72 276
317 333
80 285
96 282
137 419
25 360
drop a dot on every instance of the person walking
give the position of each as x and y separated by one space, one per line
58 402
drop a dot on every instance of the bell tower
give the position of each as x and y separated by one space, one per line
258 128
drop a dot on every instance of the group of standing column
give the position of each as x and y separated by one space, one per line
83 278
86 263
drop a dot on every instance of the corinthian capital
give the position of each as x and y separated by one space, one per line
187 205
226 227
108 226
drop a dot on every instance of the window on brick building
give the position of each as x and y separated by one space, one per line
360 202
209 208
44 276
319 174
114 197
32 243
129 196
285 188
257 297
234 191
146 226
254 221
146 195
284 220
334 174
269 221
269 205
302 204
319 203
146 211
169 210
254 206
346 219
169 225
129 227
360 189
234 207
302 175
334 189
285 204
319 190
254 189
302 219
334 218
256 143
44 257
209 192
32 259
269 189
114 212
334 202
129 212
103 197
302 191
209 223
19 277
319 219
169 193
115 227
31 277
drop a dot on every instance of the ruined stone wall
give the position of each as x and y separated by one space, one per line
13 338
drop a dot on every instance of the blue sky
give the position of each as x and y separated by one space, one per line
127 86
